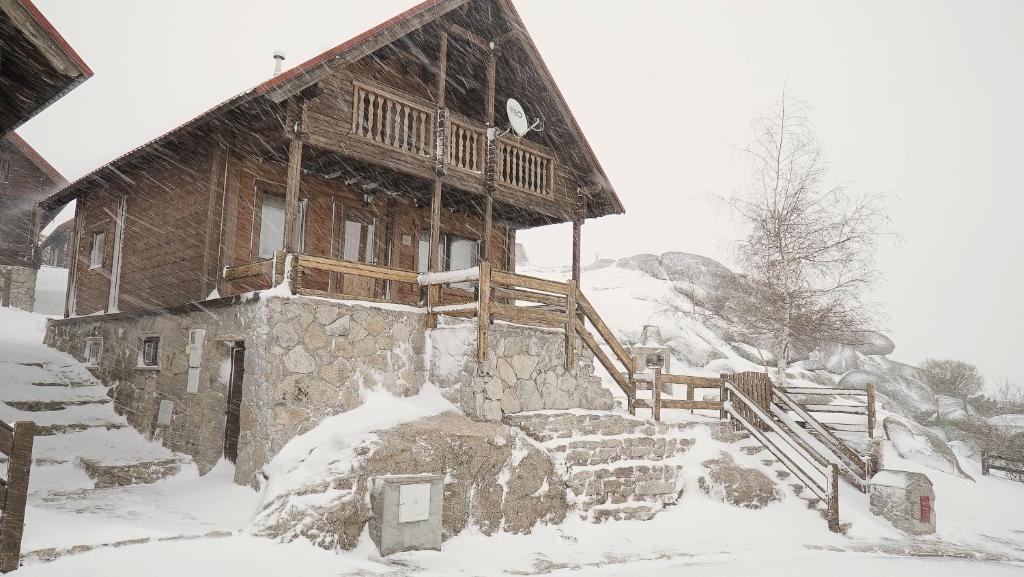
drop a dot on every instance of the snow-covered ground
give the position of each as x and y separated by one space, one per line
200 525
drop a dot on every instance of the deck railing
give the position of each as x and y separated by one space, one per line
523 166
16 445
465 145
391 120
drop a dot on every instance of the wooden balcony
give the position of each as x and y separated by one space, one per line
386 127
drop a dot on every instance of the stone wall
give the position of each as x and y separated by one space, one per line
196 427
23 285
322 352
307 359
525 371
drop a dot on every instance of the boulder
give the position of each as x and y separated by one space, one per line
906 395
495 479
736 485
875 343
647 263
916 443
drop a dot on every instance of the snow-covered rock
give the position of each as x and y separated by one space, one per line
875 343
1008 424
916 443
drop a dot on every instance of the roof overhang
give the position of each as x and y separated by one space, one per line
37 66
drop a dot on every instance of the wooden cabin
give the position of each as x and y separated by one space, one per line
389 152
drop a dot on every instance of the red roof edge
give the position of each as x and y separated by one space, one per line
332 52
68 50
36 158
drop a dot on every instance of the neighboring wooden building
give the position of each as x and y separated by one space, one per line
25 179
54 248
337 158
36 68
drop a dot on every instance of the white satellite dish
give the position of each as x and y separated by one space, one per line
517 117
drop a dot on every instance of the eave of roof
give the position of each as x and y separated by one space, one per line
37 159
57 38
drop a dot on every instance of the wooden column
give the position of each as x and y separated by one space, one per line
483 312
489 158
291 199
570 326
12 524
656 395
871 411
433 290
577 230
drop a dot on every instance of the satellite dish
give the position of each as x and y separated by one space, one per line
517 117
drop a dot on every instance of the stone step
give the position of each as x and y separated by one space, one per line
63 428
625 513
797 488
770 462
123 474
46 406
548 426
752 449
616 449
782 475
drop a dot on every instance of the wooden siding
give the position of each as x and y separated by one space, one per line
22 184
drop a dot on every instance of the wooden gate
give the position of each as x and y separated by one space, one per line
16 443
758 388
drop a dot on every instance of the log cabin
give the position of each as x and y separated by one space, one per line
37 67
273 256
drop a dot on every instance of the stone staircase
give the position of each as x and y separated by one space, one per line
616 466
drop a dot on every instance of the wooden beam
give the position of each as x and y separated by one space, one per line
570 326
469 36
484 310
577 227
434 264
490 157
13 522
291 199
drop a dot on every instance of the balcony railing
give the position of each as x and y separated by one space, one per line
392 121
406 123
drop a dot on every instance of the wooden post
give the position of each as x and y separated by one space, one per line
656 394
490 157
483 312
291 199
577 231
13 522
984 463
689 394
434 264
722 394
570 326
871 411
833 498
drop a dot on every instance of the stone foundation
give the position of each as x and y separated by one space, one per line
309 358
22 291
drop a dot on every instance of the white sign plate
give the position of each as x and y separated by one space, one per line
413 502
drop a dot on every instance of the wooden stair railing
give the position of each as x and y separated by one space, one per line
624 376
858 469
818 474
16 444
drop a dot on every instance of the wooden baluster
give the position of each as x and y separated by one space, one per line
357 107
656 394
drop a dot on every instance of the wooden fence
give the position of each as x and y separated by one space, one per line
16 444
867 410
1014 468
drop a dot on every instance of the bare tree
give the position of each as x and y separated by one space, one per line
809 248
953 378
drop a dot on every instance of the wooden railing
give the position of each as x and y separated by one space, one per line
1014 468
812 468
867 410
692 383
391 120
16 444
465 145
524 167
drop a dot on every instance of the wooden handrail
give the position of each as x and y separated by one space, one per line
606 333
373 271
529 282
248 270
624 383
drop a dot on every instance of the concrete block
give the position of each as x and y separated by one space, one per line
406 512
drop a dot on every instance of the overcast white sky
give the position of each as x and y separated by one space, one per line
922 99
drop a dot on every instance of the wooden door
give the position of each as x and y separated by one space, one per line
233 422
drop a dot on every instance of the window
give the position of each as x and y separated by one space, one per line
456 253
150 354
358 238
93 351
271 225
96 251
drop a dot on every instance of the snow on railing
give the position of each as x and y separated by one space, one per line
448 276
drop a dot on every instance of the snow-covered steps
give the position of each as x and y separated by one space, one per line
615 466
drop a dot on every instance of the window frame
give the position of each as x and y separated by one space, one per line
368 220
89 362
96 260
264 192
142 363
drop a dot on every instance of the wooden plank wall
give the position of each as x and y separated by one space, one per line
21 186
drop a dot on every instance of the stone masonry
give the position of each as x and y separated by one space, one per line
525 371
22 292
615 466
